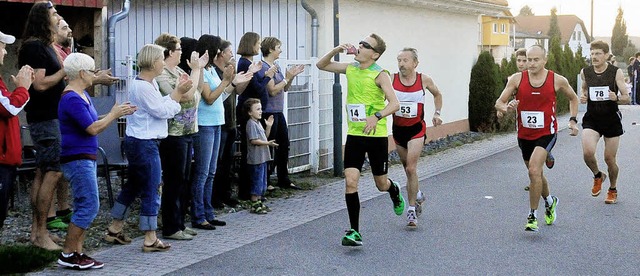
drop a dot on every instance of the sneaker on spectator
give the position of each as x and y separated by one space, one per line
75 260
57 224
96 264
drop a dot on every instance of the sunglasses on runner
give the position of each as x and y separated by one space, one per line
366 45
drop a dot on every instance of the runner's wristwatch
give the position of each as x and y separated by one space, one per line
378 115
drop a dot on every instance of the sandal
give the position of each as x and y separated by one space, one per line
117 238
157 246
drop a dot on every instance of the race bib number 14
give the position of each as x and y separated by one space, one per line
356 113
532 119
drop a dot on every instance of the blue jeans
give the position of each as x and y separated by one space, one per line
258 178
206 145
175 153
81 174
7 178
144 177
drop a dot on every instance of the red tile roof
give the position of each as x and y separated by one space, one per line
71 3
534 24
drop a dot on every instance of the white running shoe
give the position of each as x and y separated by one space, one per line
412 219
419 200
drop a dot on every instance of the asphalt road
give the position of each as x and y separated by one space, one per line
473 223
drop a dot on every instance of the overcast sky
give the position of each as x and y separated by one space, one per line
604 12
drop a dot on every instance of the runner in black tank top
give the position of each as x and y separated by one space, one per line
600 86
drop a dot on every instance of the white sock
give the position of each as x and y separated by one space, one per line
548 200
67 255
412 208
535 213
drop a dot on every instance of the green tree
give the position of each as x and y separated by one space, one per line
484 88
619 36
555 55
525 11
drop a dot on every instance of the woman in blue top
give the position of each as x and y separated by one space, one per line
79 127
207 141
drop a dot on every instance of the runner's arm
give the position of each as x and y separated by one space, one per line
326 64
428 83
384 82
624 97
502 103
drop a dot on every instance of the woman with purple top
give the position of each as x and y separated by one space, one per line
79 127
276 87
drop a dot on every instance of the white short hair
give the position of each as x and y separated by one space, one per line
76 62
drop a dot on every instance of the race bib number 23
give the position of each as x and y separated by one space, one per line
532 119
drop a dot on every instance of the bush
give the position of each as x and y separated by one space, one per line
23 259
485 86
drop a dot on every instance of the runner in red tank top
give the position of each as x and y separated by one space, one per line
535 90
409 127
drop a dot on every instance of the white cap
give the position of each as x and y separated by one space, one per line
7 39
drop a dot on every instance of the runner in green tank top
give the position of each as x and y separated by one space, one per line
370 99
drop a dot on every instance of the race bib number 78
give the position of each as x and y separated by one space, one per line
599 93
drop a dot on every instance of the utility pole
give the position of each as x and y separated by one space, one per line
591 31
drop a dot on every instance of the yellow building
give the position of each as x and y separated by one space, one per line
495 34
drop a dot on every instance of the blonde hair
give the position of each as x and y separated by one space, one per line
76 62
149 54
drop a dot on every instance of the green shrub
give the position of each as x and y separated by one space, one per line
485 86
23 259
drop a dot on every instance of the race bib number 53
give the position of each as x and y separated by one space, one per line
356 113
599 93
532 119
407 110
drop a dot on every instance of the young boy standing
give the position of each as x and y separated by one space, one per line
257 153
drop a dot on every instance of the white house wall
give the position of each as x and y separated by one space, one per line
446 43
582 41
284 19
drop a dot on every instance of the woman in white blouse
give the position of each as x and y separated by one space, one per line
144 129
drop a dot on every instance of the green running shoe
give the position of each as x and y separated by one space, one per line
57 224
532 224
550 212
352 238
398 203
